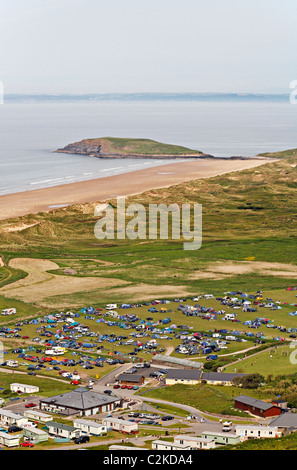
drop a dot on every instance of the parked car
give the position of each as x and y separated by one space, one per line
30 405
14 429
26 444
81 439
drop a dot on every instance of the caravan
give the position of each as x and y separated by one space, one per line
229 316
227 426
12 363
56 351
8 311
111 306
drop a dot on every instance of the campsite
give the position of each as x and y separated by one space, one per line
95 338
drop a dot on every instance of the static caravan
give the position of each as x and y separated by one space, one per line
24 388
63 430
158 444
10 440
34 434
196 442
9 418
222 438
92 428
257 432
37 416
121 425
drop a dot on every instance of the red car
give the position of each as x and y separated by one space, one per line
26 444
30 405
74 382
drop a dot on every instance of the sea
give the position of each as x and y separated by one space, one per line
31 130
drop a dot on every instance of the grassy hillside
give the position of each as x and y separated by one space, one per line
283 443
143 147
281 154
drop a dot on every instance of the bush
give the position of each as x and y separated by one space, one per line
250 381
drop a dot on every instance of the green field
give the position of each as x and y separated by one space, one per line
275 361
206 398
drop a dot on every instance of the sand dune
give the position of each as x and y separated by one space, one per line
102 189
40 283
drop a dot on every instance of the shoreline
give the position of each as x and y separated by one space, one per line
126 184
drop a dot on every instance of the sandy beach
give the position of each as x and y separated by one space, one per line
127 184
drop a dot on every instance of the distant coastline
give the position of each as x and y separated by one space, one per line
156 96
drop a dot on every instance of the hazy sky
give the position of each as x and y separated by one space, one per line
98 46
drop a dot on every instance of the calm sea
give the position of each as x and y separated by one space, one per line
30 132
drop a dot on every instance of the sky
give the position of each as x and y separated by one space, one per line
119 46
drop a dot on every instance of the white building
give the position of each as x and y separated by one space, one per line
196 442
256 432
37 416
80 401
63 430
158 444
35 435
24 388
120 425
90 427
9 418
9 440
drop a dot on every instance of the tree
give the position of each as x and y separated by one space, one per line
249 381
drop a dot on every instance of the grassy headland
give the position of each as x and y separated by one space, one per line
124 148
